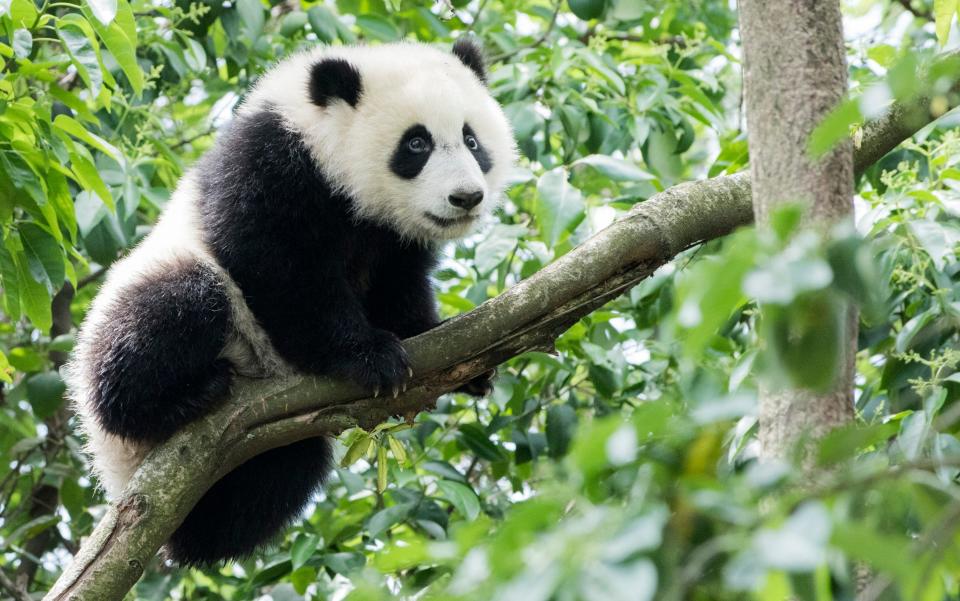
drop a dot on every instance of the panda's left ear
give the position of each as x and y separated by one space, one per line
468 50
333 79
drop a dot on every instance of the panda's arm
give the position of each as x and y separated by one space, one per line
316 322
273 222
401 299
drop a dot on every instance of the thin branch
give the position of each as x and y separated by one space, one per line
539 41
917 12
266 414
203 134
13 590
90 278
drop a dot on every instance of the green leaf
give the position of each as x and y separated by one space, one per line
614 168
636 581
44 256
806 337
78 40
46 393
251 13
88 176
74 128
461 497
587 9
559 205
378 27
381 468
22 43
194 55
104 10
444 469
122 44
6 371
293 22
271 573
301 579
10 280
475 439
399 453
303 548
381 521
357 450
943 13
835 127
912 328
34 297
496 246
323 23
560 428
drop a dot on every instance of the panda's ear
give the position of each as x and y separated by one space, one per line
468 50
333 79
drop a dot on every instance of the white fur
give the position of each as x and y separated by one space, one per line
175 237
403 84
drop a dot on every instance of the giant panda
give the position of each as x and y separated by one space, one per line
303 241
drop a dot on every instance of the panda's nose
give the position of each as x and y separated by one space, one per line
466 200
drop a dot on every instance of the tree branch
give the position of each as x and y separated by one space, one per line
18 594
917 12
265 414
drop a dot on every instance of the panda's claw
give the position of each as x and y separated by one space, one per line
396 391
376 391
409 371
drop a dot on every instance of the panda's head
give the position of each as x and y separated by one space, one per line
409 132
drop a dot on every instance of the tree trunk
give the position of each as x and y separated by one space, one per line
795 73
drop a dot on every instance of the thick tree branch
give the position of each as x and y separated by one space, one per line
271 413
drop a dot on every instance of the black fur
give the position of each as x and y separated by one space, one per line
156 366
480 154
308 270
249 506
334 295
332 79
407 163
471 54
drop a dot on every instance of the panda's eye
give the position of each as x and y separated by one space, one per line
471 142
417 145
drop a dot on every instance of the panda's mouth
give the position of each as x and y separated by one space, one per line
450 221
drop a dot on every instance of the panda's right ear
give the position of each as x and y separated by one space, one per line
333 79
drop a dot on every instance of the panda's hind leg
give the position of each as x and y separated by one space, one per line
155 359
250 506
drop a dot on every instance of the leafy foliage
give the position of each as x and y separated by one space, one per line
621 467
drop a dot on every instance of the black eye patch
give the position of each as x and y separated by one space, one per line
412 152
479 152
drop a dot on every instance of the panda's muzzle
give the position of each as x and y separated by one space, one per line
450 221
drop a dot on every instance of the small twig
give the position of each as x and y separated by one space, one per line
16 592
194 138
476 15
919 13
540 40
91 278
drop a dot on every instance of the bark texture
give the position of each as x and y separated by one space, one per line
795 73
268 414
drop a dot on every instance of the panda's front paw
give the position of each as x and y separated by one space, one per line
481 385
381 365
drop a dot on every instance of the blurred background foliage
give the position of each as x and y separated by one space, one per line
623 467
